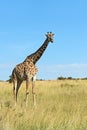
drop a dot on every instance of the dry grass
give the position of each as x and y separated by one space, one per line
61 105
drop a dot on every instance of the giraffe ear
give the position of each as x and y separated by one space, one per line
53 34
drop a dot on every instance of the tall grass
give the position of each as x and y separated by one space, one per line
61 105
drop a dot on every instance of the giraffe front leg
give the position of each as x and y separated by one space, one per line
27 90
33 90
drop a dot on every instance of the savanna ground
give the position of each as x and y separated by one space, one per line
61 105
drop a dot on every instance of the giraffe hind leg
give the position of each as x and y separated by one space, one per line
16 86
27 90
14 89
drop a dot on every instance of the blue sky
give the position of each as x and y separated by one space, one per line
23 24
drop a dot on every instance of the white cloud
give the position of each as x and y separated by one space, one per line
66 70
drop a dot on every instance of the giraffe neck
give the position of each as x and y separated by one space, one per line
36 55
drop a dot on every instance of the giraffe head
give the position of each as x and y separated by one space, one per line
49 36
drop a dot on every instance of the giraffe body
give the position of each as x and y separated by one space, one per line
27 70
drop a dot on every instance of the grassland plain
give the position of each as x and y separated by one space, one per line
61 105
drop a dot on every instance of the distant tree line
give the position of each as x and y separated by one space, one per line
70 78
10 79
59 78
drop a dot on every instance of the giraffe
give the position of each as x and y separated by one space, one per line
27 70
